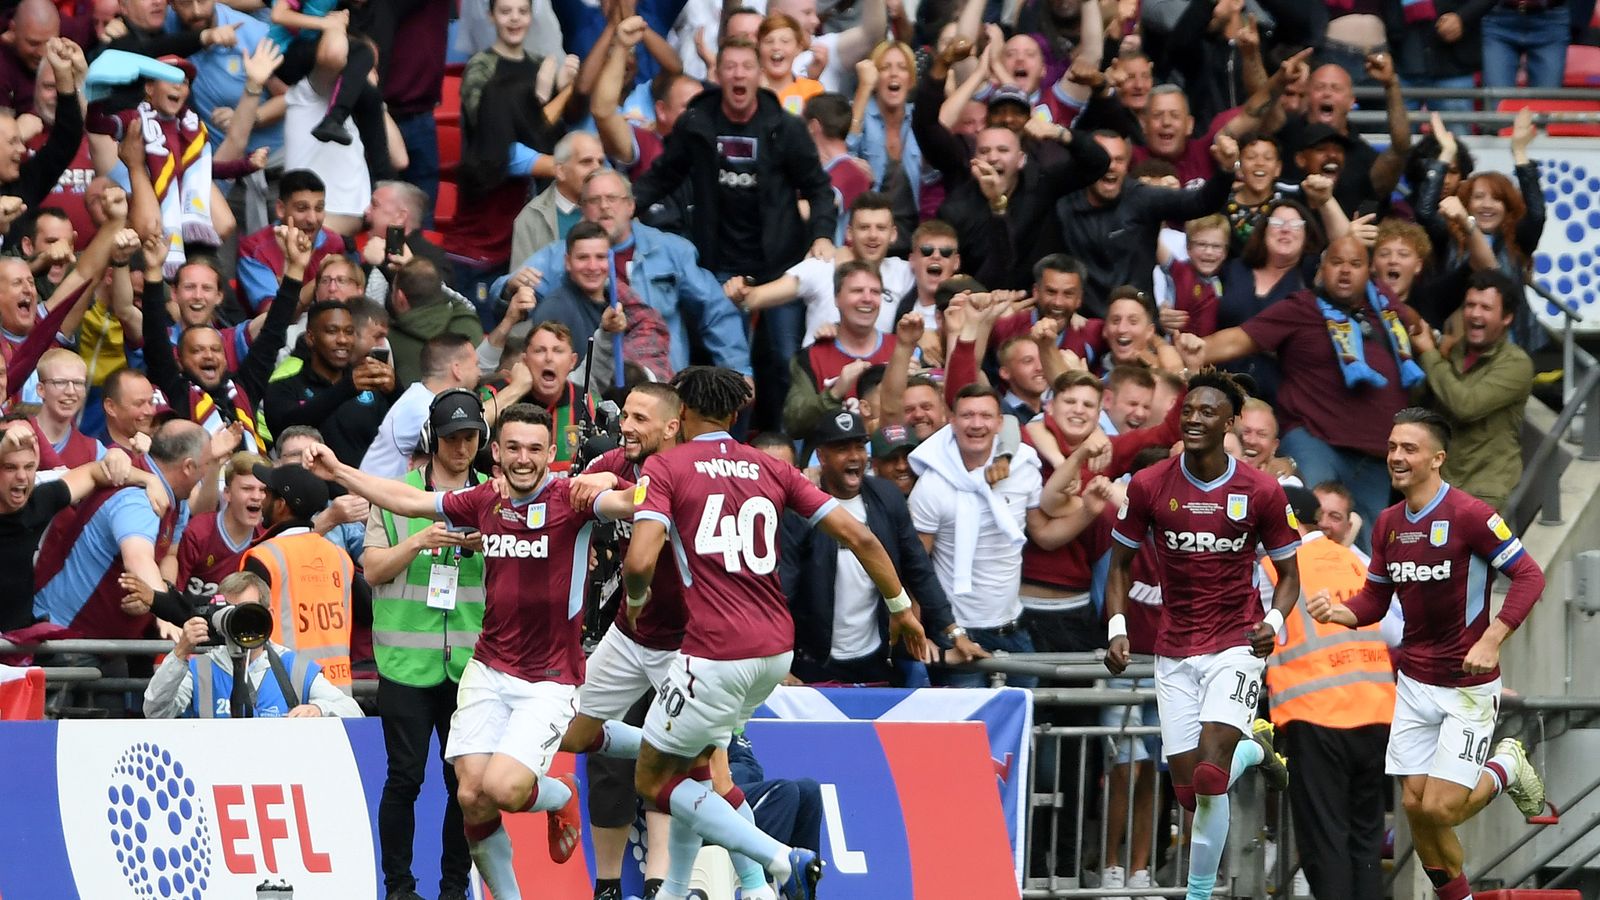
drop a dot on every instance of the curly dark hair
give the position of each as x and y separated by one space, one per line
1219 381
712 392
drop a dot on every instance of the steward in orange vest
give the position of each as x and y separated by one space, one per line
1329 675
311 577
1332 696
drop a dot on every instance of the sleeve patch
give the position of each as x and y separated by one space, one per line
1499 527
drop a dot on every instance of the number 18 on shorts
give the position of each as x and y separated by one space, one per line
1220 687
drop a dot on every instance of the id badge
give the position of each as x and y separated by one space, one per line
442 587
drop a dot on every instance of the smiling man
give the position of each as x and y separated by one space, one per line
213 543
198 383
841 627
1481 385
344 397
824 376
870 233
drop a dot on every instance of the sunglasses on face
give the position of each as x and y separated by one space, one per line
929 250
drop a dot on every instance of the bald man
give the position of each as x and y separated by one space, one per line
32 26
1320 389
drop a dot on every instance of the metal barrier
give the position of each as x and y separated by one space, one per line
1077 791
56 675
1540 485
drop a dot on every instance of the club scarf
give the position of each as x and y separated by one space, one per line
203 409
1351 350
178 155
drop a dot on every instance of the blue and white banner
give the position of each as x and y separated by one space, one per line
195 810
1006 713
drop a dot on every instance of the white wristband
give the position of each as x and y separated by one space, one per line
1274 620
1117 627
898 602
638 602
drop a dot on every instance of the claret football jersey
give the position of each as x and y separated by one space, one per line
1205 536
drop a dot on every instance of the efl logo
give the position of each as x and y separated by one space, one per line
189 821
158 825
1410 571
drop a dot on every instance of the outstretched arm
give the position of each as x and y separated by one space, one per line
396 496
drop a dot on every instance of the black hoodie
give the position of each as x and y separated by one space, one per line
787 164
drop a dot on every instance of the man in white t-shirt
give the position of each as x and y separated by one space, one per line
869 235
448 361
974 530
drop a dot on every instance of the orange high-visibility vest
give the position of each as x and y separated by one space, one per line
1329 675
311 579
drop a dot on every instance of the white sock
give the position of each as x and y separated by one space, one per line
620 740
1502 764
492 856
550 796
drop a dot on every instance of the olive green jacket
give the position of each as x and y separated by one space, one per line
1485 407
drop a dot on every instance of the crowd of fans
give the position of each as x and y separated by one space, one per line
967 253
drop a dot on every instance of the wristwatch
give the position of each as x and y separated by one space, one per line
955 632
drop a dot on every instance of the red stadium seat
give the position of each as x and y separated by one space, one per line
449 149
444 208
1583 66
1557 129
449 109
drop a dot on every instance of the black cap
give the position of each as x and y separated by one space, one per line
891 439
840 427
1305 504
305 493
1009 93
457 411
1318 133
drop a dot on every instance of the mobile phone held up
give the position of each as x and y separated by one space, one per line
394 240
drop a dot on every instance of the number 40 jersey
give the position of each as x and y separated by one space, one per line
722 503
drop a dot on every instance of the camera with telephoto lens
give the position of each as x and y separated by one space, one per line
244 625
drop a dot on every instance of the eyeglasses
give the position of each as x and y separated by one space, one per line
607 200
1208 246
336 279
62 384
929 250
1290 224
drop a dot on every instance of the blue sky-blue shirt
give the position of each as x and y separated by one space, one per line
125 514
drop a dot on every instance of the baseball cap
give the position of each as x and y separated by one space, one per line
839 427
1304 503
458 411
1318 133
305 493
1008 93
178 62
891 439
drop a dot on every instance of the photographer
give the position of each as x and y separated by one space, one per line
193 685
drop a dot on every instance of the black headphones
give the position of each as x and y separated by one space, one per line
428 438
